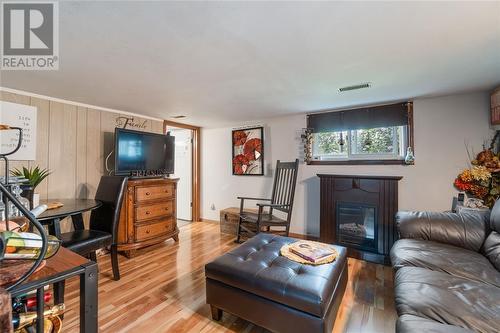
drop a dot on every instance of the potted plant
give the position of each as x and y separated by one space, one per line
482 179
35 176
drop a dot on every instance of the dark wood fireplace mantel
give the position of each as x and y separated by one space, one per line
358 212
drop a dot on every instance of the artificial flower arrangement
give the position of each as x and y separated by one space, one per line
482 179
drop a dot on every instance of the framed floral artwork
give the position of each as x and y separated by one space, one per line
248 151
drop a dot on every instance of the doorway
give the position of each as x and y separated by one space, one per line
183 170
187 169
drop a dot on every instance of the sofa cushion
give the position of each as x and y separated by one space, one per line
463 230
495 217
445 258
257 267
491 248
447 299
414 324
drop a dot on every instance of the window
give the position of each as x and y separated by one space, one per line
379 143
378 135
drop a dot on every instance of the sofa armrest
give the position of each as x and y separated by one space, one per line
463 230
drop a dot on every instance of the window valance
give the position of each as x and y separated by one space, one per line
362 118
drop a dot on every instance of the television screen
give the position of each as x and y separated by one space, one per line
142 151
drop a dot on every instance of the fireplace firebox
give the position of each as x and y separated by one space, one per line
358 212
356 225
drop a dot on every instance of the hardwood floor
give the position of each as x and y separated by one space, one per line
162 289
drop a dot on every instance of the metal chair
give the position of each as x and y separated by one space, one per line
281 200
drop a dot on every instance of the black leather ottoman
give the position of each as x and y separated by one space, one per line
257 284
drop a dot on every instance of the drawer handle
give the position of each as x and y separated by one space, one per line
166 208
147 231
147 213
147 193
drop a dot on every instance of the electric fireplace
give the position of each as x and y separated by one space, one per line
358 212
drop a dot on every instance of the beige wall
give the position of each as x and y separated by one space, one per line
73 141
442 127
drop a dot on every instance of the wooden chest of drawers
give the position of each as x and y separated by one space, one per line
148 214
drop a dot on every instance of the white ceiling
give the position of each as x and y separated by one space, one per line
228 62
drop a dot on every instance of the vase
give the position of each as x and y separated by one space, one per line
28 192
409 158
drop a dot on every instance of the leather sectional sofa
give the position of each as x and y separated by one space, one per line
447 272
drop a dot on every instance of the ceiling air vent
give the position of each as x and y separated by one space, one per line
179 117
355 87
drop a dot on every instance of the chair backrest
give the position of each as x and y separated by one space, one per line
285 179
110 193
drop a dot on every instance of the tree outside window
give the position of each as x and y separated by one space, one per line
382 142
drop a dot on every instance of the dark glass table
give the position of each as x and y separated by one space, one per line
64 265
73 208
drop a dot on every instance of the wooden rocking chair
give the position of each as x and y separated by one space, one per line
285 179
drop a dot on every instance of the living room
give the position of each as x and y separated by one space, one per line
138 145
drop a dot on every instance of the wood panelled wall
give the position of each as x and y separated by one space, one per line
73 142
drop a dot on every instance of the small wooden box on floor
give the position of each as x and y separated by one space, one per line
229 219
148 214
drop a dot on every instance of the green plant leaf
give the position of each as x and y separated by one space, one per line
35 175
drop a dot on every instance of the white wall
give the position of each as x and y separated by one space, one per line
442 127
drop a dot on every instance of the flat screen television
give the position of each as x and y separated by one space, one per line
143 154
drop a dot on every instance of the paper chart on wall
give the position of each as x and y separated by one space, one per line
23 116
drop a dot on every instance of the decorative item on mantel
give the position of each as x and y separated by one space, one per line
409 158
482 179
307 140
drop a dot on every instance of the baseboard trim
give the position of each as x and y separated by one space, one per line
208 220
291 234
